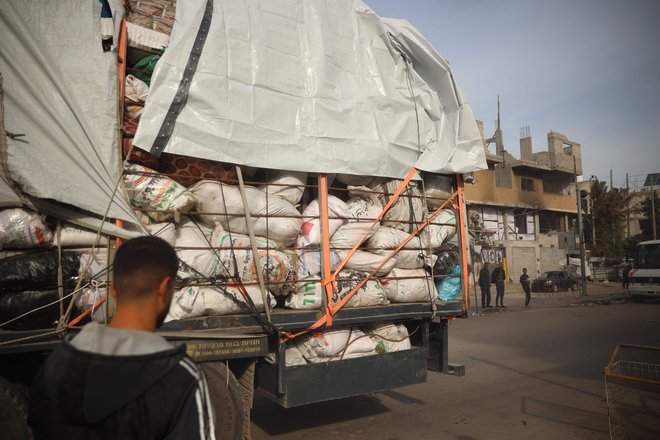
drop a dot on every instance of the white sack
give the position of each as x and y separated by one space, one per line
293 356
288 185
437 189
413 255
272 217
20 228
135 93
441 229
400 215
364 205
367 262
335 344
72 236
310 233
88 298
204 260
93 270
350 234
309 292
414 286
278 265
165 231
193 301
390 337
149 190
309 261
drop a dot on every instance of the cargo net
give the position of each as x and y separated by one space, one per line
632 386
276 239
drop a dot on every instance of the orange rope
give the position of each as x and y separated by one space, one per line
460 217
389 204
79 318
326 318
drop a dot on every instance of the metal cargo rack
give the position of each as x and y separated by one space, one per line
632 387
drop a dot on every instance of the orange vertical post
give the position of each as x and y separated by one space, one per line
121 77
327 276
462 231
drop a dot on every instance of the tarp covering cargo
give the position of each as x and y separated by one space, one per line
60 104
307 86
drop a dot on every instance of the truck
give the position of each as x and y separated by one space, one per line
357 109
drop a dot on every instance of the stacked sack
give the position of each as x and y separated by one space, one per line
336 344
29 270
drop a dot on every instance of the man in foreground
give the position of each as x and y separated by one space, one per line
124 381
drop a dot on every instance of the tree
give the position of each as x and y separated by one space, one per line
646 223
609 220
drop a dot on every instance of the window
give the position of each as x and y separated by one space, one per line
527 184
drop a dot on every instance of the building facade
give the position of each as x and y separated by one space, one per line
522 211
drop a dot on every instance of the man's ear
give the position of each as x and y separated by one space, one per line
164 287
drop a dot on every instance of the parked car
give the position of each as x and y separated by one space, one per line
555 281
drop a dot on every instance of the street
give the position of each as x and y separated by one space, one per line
532 373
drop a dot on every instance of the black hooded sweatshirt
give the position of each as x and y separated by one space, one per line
110 383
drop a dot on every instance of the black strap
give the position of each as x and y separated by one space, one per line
181 96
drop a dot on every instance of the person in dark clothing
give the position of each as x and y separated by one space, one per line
122 381
484 284
626 275
497 278
524 282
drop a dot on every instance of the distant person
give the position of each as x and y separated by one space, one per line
626 275
524 282
497 278
123 381
484 284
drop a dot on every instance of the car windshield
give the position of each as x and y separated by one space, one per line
648 256
550 275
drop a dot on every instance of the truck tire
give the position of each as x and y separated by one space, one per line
13 413
226 399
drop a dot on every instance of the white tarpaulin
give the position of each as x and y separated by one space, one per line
322 86
60 93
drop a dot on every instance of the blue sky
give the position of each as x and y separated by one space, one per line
587 68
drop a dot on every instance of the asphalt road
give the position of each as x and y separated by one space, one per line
532 373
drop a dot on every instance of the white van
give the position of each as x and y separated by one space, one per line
645 277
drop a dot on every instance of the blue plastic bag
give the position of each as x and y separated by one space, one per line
450 288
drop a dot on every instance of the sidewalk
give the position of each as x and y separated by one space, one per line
514 297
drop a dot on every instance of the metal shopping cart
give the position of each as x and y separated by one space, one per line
632 387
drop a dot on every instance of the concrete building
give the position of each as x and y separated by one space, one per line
523 210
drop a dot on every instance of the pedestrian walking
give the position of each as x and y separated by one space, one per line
626 275
123 381
484 284
524 282
497 278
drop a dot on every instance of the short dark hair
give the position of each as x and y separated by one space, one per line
141 264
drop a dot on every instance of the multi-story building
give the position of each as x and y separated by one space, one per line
522 211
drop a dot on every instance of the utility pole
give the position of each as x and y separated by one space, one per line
579 208
611 181
593 214
653 206
627 209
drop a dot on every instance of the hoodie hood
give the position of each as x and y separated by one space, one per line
102 369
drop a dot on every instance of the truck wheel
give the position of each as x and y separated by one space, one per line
13 413
226 399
